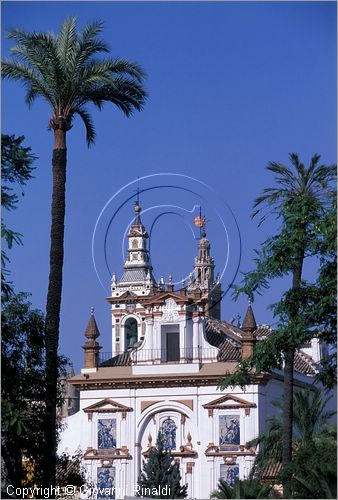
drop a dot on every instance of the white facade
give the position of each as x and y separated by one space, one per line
169 351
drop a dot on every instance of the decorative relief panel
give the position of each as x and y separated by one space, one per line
106 433
106 482
169 434
229 430
170 310
229 473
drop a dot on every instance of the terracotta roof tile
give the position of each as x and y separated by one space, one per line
122 359
262 332
221 335
271 470
222 327
304 363
229 351
228 339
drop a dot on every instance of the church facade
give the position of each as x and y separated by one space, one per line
170 349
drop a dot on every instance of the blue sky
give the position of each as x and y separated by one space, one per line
232 86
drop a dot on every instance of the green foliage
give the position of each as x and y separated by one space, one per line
160 471
313 469
304 203
314 446
16 169
69 470
247 488
324 310
23 386
67 71
310 186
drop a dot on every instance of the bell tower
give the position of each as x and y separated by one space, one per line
138 271
203 279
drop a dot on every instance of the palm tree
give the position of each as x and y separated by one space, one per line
313 438
65 70
246 488
300 198
310 418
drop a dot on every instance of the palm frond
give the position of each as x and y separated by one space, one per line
87 120
224 490
121 66
110 68
62 69
126 94
89 44
38 50
19 71
66 43
314 183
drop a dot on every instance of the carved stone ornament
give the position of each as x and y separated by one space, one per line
170 310
113 454
190 466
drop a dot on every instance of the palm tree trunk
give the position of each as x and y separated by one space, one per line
287 406
289 356
12 461
53 306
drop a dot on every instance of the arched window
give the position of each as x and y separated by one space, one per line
169 434
130 328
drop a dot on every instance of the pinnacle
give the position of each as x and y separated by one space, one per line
92 331
249 323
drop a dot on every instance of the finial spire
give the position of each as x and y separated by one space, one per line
249 323
201 222
138 191
92 311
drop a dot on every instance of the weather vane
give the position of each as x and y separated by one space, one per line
137 191
200 222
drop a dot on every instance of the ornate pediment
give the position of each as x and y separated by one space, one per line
213 450
125 297
185 450
161 297
170 310
229 402
115 453
107 406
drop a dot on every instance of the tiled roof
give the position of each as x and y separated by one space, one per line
262 332
227 338
303 363
133 276
229 351
271 470
122 359
220 335
222 327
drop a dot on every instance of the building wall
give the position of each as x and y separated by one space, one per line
193 421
